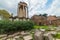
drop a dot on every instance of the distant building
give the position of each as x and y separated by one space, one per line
52 20
58 20
49 20
39 20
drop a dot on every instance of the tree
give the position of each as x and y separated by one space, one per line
40 14
45 15
5 14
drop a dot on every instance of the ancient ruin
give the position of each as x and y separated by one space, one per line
22 12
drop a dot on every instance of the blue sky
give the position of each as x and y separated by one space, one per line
51 7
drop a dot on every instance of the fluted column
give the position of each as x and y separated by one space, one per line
18 11
24 11
27 13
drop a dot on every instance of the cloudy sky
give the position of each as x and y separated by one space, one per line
51 7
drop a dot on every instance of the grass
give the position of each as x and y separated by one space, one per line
41 27
36 27
47 28
57 35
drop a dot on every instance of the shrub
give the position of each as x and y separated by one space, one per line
24 25
9 26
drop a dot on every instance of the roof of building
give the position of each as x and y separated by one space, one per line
38 17
51 18
20 3
58 17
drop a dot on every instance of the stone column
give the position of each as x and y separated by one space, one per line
27 13
24 11
18 11
21 12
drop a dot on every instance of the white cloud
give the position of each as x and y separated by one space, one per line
37 3
54 9
35 6
9 4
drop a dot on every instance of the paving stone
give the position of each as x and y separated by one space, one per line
28 37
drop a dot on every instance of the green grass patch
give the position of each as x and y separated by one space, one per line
57 35
36 27
41 27
47 28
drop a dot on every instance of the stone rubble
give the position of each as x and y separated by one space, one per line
38 35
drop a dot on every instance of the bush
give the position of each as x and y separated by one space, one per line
9 26
24 25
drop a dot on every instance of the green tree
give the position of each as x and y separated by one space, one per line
45 15
5 14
